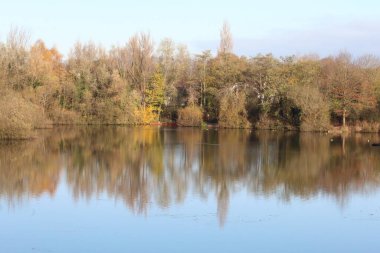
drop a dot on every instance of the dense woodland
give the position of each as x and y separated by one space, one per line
140 83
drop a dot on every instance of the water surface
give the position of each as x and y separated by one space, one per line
121 189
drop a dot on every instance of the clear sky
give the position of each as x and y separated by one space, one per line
281 27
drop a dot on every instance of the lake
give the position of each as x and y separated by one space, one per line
150 189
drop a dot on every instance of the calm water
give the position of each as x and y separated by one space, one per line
119 189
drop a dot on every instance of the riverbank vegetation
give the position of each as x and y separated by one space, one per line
140 83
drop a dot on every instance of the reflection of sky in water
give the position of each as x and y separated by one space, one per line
263 204
255 224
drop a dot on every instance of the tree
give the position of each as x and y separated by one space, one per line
87 67
311 107
14 56
45 72
166 60
183 75
232 112
226 42
264 87
202 62
155 93
225 72
140 67
349 90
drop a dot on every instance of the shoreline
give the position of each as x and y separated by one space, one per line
333 131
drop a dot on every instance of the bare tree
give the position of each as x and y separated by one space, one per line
347 85
18 38
201 63
140 64
14 57
226 42
166 51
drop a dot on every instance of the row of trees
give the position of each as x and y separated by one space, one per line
138 83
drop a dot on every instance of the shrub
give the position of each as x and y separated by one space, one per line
145 116
232 112
190 116
314 109
18 116
64 117
267 123
367 127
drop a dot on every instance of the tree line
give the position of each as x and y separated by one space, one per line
138 83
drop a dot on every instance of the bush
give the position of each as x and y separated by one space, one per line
145 116
190 116
314 109
267 123
18 116
232 112
64 117
367 127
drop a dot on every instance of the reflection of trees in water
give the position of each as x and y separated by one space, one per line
141 165
125 163
27 168
308 164
225 164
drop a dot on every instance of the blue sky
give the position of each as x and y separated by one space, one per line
281 27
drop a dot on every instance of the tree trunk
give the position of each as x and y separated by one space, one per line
344 118
202 95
